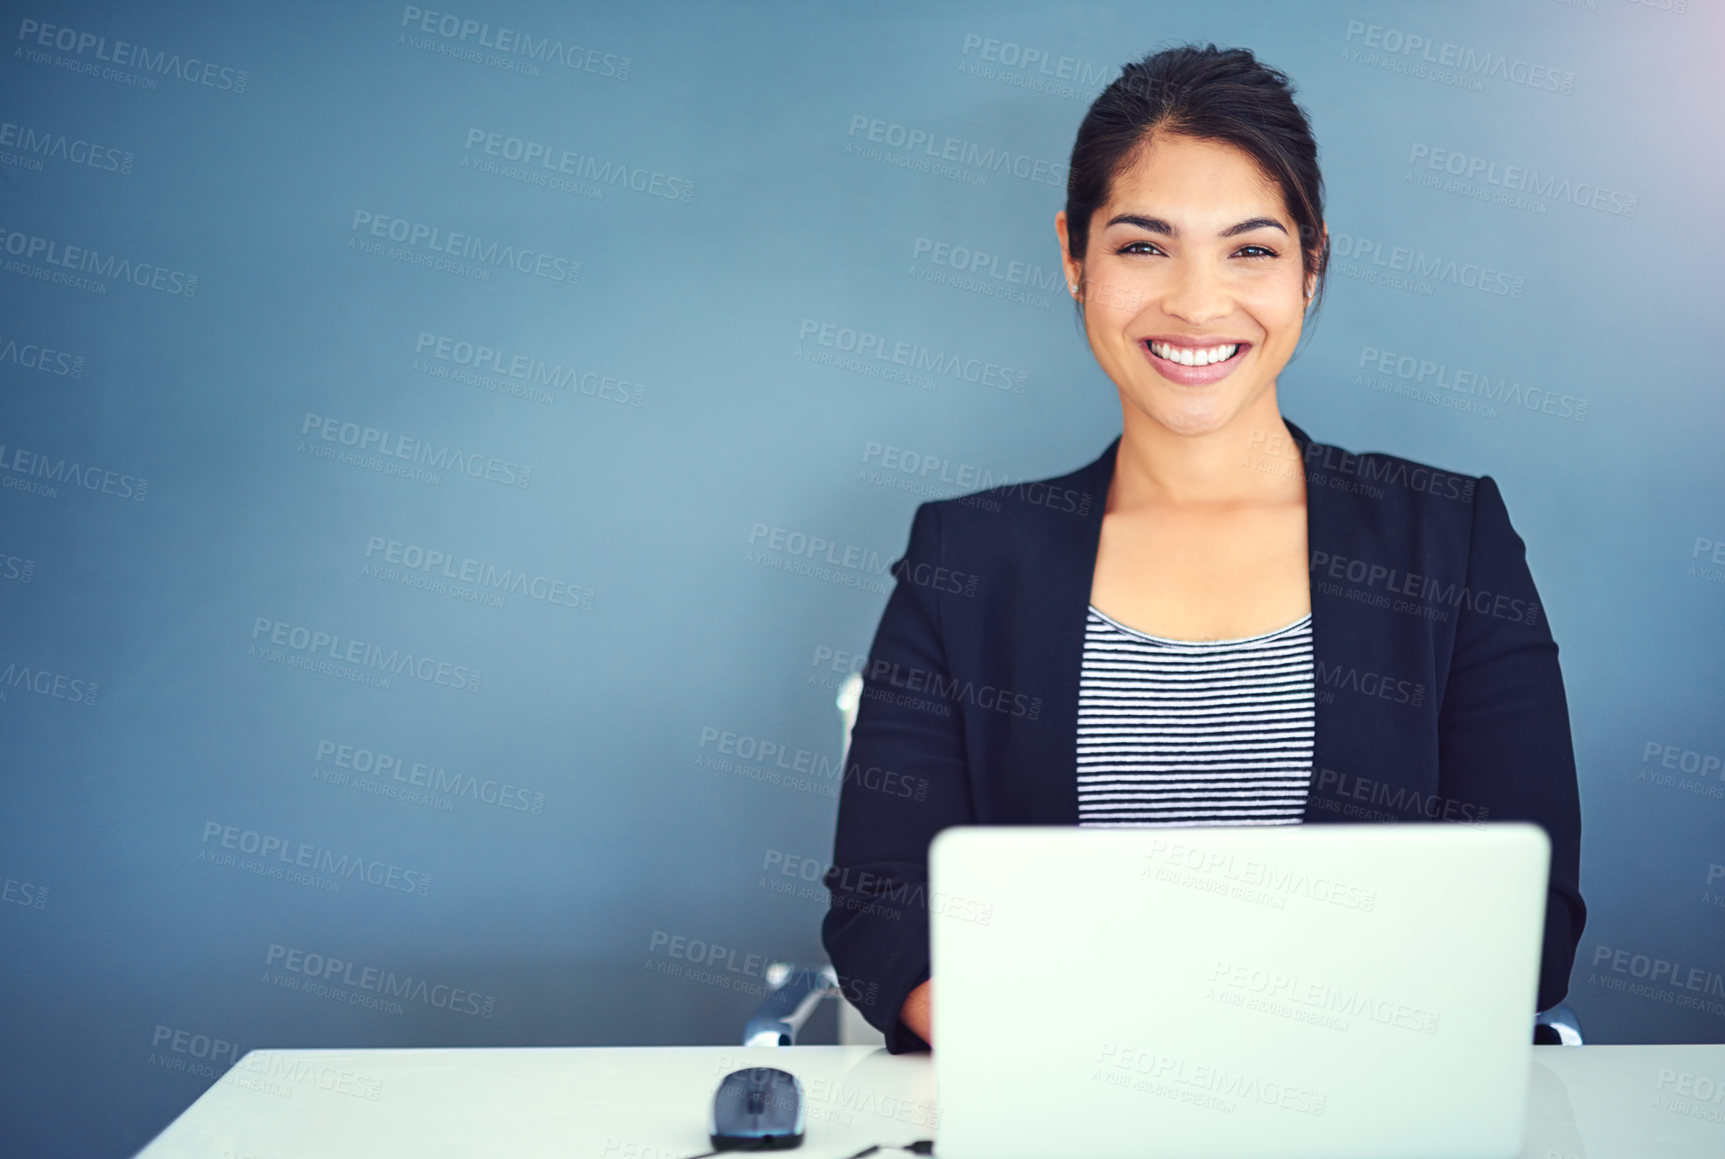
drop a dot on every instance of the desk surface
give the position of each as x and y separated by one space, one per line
1587 1102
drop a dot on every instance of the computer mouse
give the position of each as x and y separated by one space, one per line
760 1108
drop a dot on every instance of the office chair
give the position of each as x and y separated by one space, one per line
1557 1027
798 989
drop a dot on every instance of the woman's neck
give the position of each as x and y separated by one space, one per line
1251 461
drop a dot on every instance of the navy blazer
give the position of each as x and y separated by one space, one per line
1438 690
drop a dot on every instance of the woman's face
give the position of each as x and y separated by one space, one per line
1195 250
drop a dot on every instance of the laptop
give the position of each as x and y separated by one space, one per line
1286 992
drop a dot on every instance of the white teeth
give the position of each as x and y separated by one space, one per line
1186 356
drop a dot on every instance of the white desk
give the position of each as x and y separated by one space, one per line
1588 1102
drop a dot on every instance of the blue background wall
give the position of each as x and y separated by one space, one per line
218 276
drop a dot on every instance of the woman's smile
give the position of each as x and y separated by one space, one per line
1194 364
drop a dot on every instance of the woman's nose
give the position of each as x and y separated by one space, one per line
1196 292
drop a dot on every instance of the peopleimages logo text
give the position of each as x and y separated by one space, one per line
514 42
466 570
64 147
926 142
331 970
90 477
29 247
162 63
396 661
317 858
437 456
436 239
525 368
553 159
46 682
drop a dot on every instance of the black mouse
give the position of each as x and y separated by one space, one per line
760 1109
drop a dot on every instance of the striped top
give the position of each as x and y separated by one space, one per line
1184 732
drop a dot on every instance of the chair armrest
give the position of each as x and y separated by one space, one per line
797 990
1559 1021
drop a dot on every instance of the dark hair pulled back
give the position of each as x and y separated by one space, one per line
1212 94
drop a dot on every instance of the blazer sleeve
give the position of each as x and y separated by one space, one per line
905 779
1504 743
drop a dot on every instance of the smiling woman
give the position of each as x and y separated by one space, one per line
1195 271
1235 624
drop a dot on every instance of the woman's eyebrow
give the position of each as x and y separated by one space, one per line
1157 225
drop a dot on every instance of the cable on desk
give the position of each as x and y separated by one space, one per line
920 1147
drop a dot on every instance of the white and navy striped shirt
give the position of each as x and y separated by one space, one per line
1184 732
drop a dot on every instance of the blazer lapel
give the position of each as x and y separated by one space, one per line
1323 525
1042 755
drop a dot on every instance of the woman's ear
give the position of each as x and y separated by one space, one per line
1323 247
1074 269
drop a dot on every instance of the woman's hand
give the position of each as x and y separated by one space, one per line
918 1012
